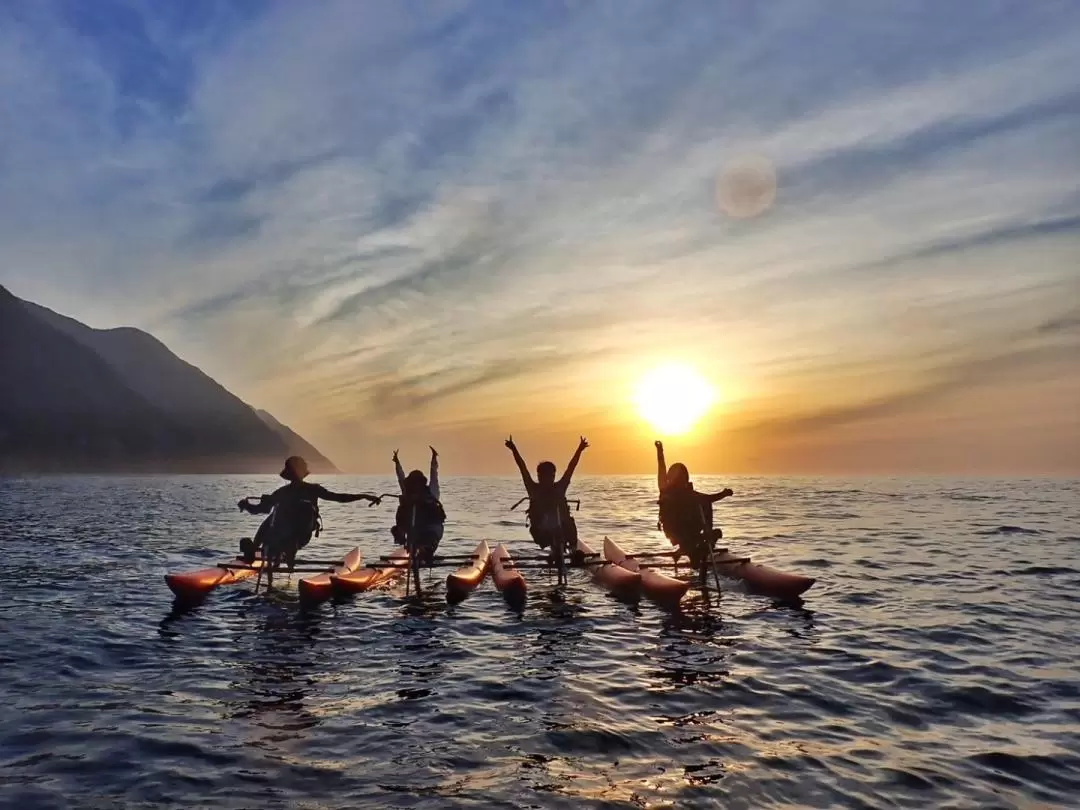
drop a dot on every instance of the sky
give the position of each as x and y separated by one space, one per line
395 224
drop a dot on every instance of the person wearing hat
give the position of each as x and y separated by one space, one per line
418 524
293 515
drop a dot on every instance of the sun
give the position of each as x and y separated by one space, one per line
672 398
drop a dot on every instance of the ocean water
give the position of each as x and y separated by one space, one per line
934 664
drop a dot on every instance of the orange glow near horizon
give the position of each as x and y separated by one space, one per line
673 398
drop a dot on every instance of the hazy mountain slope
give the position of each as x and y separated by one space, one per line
298 444
220 431
63 407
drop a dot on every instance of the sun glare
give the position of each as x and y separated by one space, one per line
673 398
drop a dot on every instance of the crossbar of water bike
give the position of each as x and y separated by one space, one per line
282 569
328 563
664 561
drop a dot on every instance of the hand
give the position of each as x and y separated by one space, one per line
242 504
582 444
659 445
727 493
434 452
510 443
375 500
394 459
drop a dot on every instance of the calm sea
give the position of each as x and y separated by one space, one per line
935 664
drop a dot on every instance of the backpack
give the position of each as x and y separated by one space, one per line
429 512
548 506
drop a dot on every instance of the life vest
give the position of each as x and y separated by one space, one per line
681 516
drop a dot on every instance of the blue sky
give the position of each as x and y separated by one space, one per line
395 223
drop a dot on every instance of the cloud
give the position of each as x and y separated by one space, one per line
1052 345
1063 324
989 237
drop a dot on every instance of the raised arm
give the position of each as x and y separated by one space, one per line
661 467
433 479
522 467
565 480
400 472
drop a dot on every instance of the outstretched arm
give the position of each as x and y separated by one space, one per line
661 467
565 480
338 497
433 479
400 472
264 506
522 467
719 496
261 508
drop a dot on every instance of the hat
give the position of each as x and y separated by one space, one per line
295 469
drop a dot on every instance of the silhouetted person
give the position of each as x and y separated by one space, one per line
686 515
550 521
294 516
420 515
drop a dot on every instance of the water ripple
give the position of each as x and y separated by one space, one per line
932 665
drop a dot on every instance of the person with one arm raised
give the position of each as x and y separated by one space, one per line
686 515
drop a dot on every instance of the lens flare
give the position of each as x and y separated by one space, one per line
747 187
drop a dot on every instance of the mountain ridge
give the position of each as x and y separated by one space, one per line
119 399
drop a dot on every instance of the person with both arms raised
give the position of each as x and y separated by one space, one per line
294 515
420 515
686 515
550 521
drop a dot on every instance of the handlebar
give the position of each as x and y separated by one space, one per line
575 501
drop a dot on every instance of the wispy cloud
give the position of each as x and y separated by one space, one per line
977 365
351 211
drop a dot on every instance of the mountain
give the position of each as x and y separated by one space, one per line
119 400
63 405
297 443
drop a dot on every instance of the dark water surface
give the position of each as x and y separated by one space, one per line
935 663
